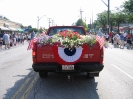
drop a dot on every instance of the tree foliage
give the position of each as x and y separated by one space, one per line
80 22
115 19
128 6
128 10
33 29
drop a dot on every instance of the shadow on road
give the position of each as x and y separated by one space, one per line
57 86
18 84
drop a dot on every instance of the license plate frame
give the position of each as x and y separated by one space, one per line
67 67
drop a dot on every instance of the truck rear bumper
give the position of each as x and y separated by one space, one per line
78 67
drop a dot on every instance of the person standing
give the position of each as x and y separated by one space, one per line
14 41
107 37
6 39
32 35
125 34
1 43
129 40
110 37
122 41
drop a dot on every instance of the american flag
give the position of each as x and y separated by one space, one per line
101 41
30 46
43 31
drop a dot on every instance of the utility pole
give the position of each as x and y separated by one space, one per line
108 21
52 22
90 23
49 21
38 19
92 20
85 20
108 15
81 13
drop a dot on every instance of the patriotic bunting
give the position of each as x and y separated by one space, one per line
30 46
101 41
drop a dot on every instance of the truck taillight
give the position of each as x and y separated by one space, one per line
33 53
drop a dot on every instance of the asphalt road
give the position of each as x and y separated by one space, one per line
19 81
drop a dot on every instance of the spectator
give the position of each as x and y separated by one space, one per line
122 41
21 38
116 40
107 37
29 37
6 39
128 35
14 39
129 40
125 34
1 43
32 35
110 36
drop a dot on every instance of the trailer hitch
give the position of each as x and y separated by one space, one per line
70 78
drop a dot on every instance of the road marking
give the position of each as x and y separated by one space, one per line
24 85
122 71
26 93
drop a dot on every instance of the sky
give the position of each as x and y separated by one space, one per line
62 12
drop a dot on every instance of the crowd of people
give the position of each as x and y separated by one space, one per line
120 40
9 40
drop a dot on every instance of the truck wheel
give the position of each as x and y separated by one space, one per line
43 74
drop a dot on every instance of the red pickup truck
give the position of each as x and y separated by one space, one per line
52 58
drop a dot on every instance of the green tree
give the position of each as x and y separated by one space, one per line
115 19
119 17
128 6
29 26
102 19
33 29
128 10
80 22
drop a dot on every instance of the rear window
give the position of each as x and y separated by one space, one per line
60 29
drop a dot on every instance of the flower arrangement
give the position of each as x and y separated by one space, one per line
67 39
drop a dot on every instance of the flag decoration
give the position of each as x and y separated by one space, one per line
100 40
30 46
43 31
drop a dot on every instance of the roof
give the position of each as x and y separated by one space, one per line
20 30
4 28
13 29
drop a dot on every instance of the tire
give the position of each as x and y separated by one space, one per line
43 74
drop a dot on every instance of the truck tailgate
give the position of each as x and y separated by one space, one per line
45 54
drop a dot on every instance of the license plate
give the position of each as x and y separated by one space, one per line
67 67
